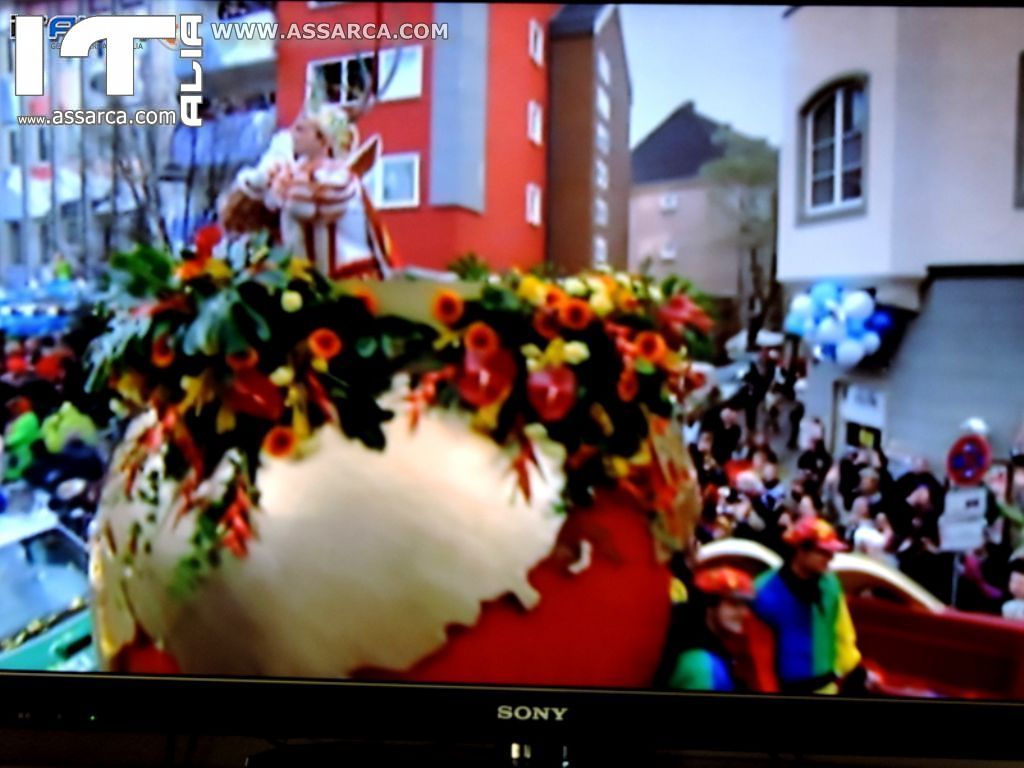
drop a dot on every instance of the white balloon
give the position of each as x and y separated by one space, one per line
849 352
858 305
830 331
871 341
809 329
802 305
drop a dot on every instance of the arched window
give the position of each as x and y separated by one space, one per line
834 128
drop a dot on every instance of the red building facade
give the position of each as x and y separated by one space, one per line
462 120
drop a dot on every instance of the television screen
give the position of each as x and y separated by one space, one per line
634 347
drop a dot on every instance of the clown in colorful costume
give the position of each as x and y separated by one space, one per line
803 606
710 663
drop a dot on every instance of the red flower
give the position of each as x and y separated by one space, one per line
254 394
448 307
481 340
680 311
280 442
162 355
575 314
651 346
324 342
628 385
247 359
486 380
206 238
545 322
552 392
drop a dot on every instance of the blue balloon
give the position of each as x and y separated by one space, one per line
794 324
829 351
879 322
824 292
855 329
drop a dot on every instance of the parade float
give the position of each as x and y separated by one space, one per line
384 479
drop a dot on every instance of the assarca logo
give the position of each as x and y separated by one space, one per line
509 712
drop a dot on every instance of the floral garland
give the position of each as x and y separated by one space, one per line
251 351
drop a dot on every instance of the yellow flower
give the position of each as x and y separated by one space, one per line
530 351
601 303
616 466
574 286
218 269
576 352
199 390
677 591
298 269
486 418
129 386
655 293
533 290
283 376
643 456
225 420
320 364
291 301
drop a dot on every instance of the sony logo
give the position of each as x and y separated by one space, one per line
507 712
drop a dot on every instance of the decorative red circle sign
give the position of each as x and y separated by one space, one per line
968 460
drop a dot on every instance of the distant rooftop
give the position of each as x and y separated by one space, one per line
677 148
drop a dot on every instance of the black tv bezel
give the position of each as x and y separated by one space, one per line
651 720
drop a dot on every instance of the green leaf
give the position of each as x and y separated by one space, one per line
366 346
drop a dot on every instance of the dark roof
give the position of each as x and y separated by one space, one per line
575 20
677 148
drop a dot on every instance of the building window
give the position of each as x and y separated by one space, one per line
600 212
394 181
604 68
601 173
347 79
537 42
1019 197
603 138
604 103
535 122
668 252
533 211
669 202
834 129
600 250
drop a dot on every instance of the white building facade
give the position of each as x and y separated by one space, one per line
902 171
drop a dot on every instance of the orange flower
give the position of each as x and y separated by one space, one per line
545 322
651 346
482 340
239 360
575 314
190 270
162 355
448 307
325 343
280 442
368 298
554 297
628 385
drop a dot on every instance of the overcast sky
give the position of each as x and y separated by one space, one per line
725 58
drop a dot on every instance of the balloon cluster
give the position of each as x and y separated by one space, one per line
842 326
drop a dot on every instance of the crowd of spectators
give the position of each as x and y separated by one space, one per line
751 491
